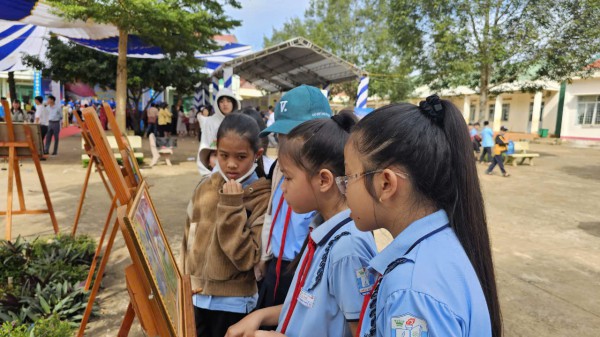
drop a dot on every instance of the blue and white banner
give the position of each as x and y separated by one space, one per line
37 83
25 27
363 92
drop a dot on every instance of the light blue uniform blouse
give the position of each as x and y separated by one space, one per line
240 304
487 137
341 257
434 293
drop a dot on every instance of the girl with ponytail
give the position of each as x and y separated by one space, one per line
331 280
419 181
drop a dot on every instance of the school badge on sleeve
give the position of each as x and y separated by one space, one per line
364 280
409 326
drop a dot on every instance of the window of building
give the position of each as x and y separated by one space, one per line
472 116
505 112
588 110
531 111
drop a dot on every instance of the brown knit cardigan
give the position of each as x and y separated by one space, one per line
222 237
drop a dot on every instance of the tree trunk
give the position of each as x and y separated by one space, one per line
12 88
121 90
484 82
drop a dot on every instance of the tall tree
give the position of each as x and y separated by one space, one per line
179 27
483 43
68 62
356 31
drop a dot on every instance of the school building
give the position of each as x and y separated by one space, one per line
570 111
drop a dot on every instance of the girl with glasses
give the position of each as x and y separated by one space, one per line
410 170
331 280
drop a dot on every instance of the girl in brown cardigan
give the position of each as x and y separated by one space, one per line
222 239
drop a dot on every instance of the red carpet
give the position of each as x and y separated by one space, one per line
69 131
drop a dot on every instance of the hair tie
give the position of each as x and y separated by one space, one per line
343 121
433 108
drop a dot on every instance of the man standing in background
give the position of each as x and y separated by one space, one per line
54 116
41 116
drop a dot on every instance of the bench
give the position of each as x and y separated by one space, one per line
134 141
521 152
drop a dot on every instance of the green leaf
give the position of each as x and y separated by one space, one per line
45 305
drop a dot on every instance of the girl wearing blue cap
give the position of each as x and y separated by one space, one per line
330 282
410 170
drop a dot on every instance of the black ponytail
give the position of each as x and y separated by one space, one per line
431 142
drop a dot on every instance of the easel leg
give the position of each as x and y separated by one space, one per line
83 190
38 167
127 321
104 181
99 248
96 287
11 159
19 185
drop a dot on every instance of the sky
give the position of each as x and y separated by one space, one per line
259 17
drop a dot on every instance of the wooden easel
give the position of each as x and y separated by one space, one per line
143 303
94 160
14 172
123 193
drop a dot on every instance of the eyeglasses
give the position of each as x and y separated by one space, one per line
342 181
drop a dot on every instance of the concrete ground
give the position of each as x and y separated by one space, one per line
544 223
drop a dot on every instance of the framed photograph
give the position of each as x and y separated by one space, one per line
20 136
156 257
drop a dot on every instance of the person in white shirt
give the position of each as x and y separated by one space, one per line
41 115
54 117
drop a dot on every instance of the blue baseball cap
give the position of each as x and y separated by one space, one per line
297 106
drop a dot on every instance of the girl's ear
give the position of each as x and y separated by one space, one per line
259 153
326 180
388 184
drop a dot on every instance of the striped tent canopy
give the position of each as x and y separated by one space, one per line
25 27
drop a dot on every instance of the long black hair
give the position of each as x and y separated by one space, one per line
431 141
245 127
315 145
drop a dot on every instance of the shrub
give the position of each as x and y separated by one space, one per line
46 278
46 327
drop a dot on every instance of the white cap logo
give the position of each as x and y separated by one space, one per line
282 105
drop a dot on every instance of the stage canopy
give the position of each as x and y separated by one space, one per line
290 64
25 27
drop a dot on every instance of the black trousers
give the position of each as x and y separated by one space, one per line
488 151
497 160
214 323
44 129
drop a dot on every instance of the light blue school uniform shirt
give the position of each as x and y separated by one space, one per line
487 137
473 132
434 293
327 302
297 228
240 304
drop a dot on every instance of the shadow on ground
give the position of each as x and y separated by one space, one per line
592 228
584 172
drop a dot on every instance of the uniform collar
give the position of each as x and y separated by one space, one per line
416 230
322 231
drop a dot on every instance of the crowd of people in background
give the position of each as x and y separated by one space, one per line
493 147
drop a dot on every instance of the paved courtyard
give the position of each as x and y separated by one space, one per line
544 222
